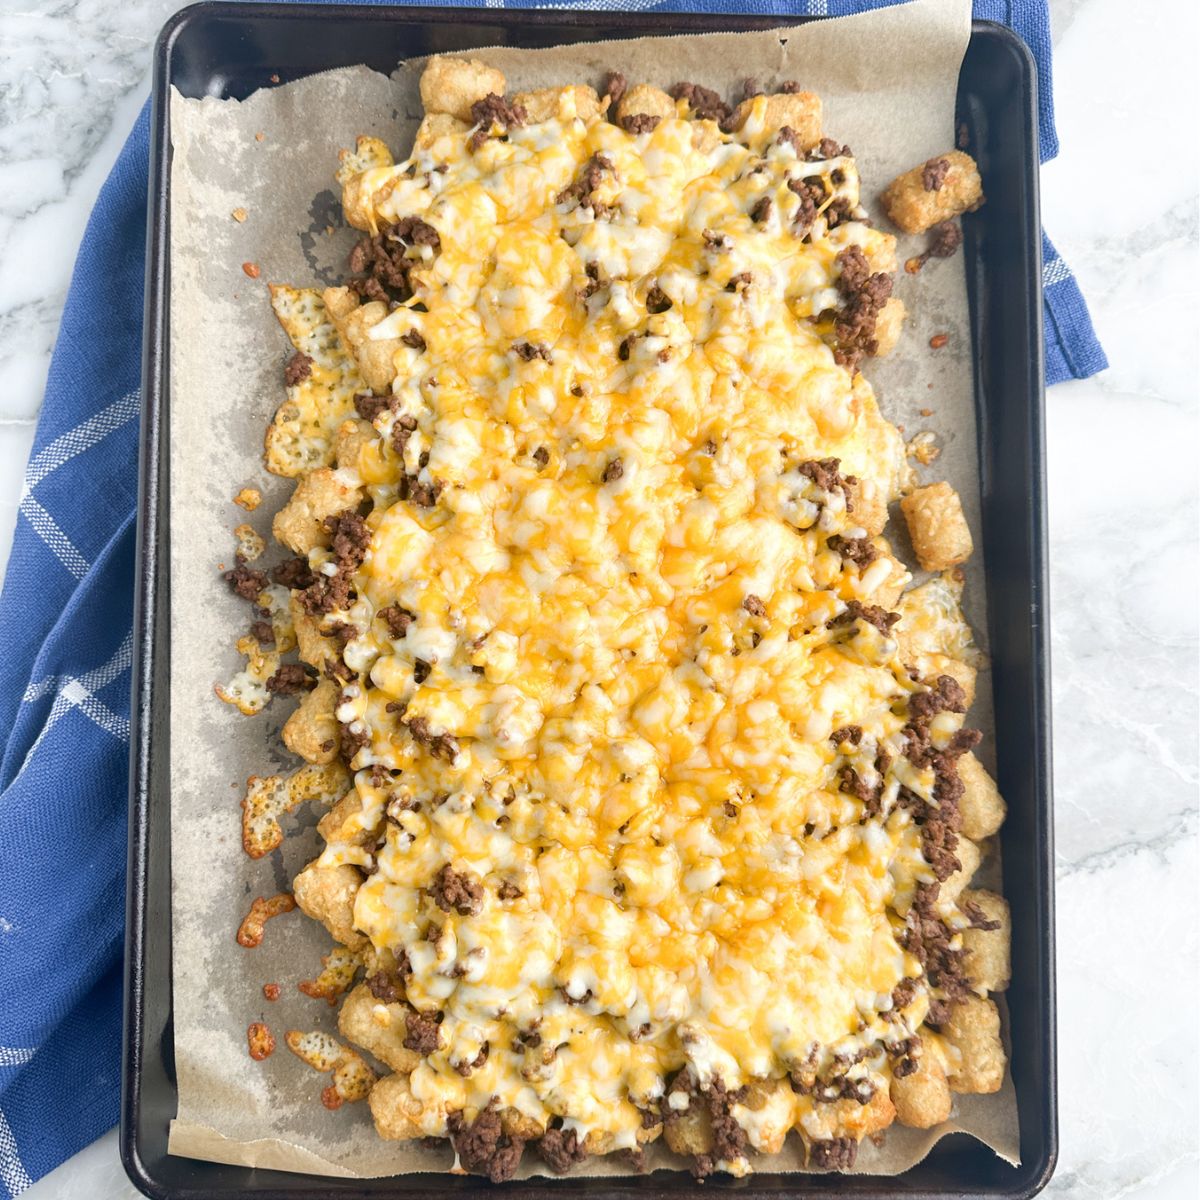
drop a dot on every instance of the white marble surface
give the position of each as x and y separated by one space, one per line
1123 521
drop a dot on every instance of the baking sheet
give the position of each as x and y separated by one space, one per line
888 81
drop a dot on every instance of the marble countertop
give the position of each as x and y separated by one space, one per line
73 75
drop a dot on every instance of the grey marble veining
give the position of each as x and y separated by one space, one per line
1123 527
70 74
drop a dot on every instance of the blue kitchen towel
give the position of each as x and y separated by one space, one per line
65 677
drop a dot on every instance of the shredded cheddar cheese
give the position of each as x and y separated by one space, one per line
600 637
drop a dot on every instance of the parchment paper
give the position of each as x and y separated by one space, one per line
888 82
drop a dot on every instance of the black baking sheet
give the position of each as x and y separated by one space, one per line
229 51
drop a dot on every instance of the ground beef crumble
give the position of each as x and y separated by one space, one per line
865 296
947 237
561 1150
388 987
636 123
657 301
853 784
855 270
298 368
761 212
455 891
290 679
582 190
858 551
353 740
946 695
293 573
468 1068
528 351
397 619
350 539
402 429
789 137
904 1060
491 111
933 174
835 1154
825 473
978 918
614 470
926 937
828 148
615 87
483 1146
440 745
423 495
342 632
855 610
381 260
904 993
369 406
944 241
336 670
705 104
811 194
420 1033
245 582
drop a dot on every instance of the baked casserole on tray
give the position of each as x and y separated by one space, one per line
653 807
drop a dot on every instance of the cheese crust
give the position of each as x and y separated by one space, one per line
652 799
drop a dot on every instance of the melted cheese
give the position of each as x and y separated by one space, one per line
645 760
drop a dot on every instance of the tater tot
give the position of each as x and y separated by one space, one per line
375 356
437 125
300 524
881 252
312 731
399 1115
888 325
974 1030
962 673
690 1131
988 951
644 100
452 85
773 1104
869 505
798 111
335 825
378 1028
351 438
327 895
982 807
313 646
543 104
936 524
933 192
969 855
888 592
923 1099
